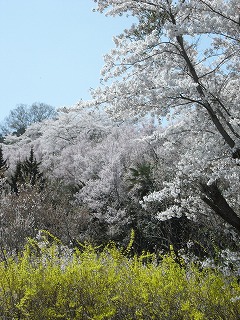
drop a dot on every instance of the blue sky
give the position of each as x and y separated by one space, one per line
51 51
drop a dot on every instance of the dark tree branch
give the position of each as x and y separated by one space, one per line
213 197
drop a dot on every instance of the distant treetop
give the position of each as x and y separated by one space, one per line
24 115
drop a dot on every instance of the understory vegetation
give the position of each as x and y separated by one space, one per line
50 281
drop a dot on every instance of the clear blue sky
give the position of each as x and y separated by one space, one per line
51 51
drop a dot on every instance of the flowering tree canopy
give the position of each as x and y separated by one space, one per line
178 54
181 58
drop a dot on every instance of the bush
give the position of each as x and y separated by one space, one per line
23 214
50 281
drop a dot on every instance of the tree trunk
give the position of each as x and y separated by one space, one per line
205 102
215 200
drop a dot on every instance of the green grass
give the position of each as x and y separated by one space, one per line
51 282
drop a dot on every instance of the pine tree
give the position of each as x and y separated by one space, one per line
141 176
26 172
30 170
16 178
3 164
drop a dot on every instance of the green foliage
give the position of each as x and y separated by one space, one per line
142 179
3 164
48 281
30 168
26 172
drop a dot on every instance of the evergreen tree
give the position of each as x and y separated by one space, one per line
3 164
142 179
16 178
26 172
30 170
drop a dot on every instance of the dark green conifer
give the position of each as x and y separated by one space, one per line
30 169
3 164
26 172
16 178
141 176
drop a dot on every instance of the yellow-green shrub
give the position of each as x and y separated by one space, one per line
51 282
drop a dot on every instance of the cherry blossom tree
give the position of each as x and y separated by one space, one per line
110 167
163 62
181 59
196 167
